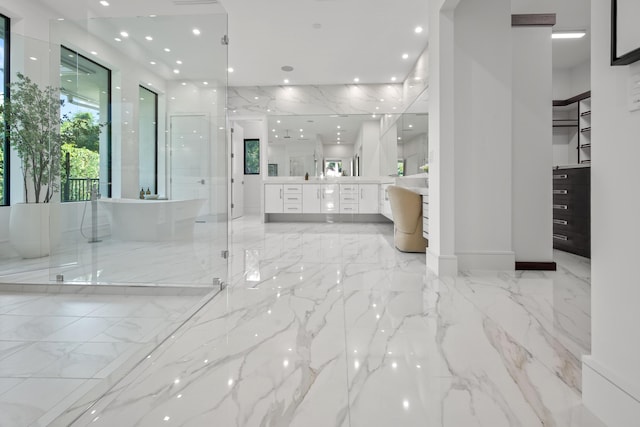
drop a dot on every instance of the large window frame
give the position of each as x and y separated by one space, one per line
103 187
5 191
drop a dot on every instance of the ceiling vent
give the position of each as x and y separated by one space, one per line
193 2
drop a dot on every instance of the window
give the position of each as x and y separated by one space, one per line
333 167
252 157
4 78
148 140
86 130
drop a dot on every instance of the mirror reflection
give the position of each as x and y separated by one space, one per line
349 145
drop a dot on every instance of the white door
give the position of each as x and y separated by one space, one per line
190 158
237 171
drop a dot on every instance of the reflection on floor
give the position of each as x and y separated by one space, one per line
55 348
329 325
192 262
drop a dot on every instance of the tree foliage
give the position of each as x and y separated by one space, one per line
33 117
81 131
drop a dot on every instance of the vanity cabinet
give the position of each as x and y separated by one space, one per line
330 202
273 198
425 216
368 199
292 198
349 198
311 198
572 210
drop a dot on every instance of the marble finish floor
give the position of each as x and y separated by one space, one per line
329 325
55 348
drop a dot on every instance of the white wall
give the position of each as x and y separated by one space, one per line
611 375
414 153
254 129
368 146
483 132
532 144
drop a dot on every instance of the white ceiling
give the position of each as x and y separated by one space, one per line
327 41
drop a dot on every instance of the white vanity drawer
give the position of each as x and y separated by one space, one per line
292 198
349 208
348 188
293 189
292 208
348 198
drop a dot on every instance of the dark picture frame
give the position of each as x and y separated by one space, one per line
623 58
252 157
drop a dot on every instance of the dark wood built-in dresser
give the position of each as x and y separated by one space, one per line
572 209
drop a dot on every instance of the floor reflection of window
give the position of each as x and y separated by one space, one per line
86 146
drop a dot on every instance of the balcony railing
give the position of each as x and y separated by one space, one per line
78 189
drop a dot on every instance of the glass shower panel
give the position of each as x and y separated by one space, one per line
174 234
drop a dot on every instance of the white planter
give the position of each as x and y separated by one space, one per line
29 229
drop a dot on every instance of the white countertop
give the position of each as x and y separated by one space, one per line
582 165
332 180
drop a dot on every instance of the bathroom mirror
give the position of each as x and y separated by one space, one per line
305 144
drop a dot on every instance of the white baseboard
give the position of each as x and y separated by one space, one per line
442 265
493 261
607 396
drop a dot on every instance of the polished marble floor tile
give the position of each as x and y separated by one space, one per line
329 325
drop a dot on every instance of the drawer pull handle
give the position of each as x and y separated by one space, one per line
560 222
560 237
560 176
565 207
292 209
560 192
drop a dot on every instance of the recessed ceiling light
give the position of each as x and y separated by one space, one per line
148 38
166 49
60 19
393 79
152 16
357 79
104 3
152 62
118 39
338 133
418 29
338 142
256 98
273 130
338 126
184 83
196 32
176 71
150 84
278 121
205 83
301 130
33 58
286 81
568 35
230 69
124 34
405 56
179 62
93 52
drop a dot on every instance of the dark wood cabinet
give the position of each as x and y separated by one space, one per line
572 210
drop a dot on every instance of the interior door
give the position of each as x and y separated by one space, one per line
237 171
190 159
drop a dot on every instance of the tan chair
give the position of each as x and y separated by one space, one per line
406 208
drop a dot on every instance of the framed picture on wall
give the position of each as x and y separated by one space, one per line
625 32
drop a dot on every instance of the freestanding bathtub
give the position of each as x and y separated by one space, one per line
151 220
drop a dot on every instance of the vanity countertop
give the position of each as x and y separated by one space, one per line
582 165
332 180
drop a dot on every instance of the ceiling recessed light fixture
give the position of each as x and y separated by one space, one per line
148 38
184 83
118 39
104 3
568 35
230 69
176 71
124 34
179 62
166 49
196 32
33 58
405 56
152 62
357 79
286 81
418 29
93 52
205 83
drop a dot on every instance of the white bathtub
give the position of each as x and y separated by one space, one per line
151 220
